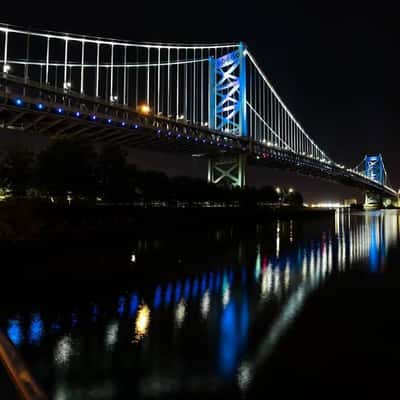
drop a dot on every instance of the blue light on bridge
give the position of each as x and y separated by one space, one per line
93 118
77 114
59 110
109 121
40 106
122 124
19 102
135 126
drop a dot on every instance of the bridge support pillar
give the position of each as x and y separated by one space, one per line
229 170
372 201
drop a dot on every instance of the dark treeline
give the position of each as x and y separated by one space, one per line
73 172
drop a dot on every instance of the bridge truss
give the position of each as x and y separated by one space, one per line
210 100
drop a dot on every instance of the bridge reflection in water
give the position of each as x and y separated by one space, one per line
197 332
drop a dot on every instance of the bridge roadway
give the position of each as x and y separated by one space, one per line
39 109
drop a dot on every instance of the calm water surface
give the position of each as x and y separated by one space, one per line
199 314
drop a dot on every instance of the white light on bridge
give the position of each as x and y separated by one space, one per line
67 85
7 68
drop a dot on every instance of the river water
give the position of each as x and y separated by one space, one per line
199 314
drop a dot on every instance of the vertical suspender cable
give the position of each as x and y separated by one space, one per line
125 101
82 66
5 52
97 69
194 87
260 106
186 86
202 89
148 77
137 79
264 116
65 62
112 74
28 44
168 79
158 80
177 83
47 60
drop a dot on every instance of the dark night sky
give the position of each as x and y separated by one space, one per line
336 66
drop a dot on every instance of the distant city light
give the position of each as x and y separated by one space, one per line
327 205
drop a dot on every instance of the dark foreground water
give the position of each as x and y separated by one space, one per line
205 314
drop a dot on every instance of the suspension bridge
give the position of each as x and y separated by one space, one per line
211 101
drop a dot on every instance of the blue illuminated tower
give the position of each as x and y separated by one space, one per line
227 102
228 113
375 169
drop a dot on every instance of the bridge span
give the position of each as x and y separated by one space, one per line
211 101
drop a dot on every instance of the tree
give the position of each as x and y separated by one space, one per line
16 172
67 167
113 174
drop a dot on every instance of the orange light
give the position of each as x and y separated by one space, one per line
144 109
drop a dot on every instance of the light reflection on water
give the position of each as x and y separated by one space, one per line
212 312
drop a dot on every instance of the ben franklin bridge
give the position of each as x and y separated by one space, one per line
208 100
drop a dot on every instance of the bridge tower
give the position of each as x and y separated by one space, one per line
374 169
227 113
